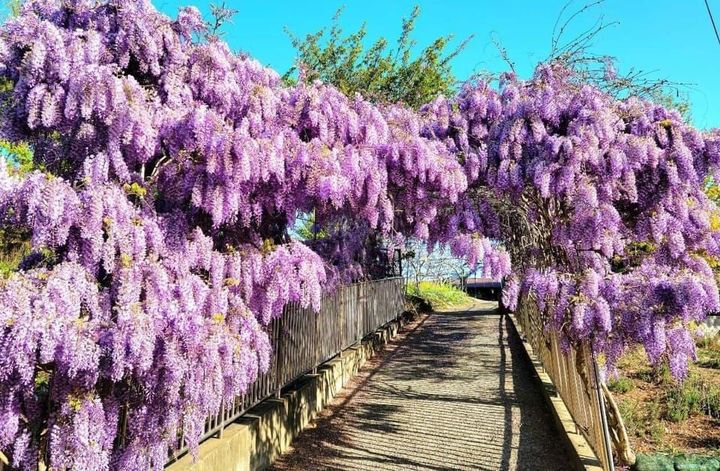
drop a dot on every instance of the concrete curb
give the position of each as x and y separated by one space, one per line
266 431
583 456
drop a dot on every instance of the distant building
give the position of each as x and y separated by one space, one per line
483 288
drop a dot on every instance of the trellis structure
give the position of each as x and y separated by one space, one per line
303 340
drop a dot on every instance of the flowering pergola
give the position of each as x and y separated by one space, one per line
170 170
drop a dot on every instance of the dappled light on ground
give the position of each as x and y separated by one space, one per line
455 392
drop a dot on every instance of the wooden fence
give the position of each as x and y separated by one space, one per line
575 375
303 339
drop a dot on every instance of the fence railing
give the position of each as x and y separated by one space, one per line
303 339
575 375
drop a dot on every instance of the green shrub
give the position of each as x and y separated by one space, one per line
664 375
713 363
711 402
654 410
665 462
709 352
683 401
654 462
630 417
657 431
693 397
621 385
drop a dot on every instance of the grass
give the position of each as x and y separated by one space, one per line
683 401
630 416
695 396
708 349
439 295
643 421
621 385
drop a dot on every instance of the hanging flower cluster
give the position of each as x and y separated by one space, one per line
172 170
600 203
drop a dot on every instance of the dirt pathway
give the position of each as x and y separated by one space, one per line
455 392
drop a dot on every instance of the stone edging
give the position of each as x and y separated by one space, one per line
266 431
584 458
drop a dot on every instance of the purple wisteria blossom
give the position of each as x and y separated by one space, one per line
172 170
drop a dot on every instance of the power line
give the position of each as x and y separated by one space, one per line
712 20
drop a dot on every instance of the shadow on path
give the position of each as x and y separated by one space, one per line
454 392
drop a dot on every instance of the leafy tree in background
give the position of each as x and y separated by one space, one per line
307 229
380 72
14 242
13 6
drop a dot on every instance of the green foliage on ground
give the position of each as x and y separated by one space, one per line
630 416
439 295
647 422
621 385
658 410
694 397
663 462
381 73
684 401
709 351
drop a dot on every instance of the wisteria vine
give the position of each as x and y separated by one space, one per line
170 171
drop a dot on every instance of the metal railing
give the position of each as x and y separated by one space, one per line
303 340
575 375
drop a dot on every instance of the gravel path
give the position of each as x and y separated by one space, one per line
453 392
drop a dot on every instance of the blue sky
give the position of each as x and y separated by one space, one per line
673 39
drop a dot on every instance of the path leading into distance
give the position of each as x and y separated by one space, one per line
454 392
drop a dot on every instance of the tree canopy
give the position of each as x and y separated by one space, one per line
379 72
